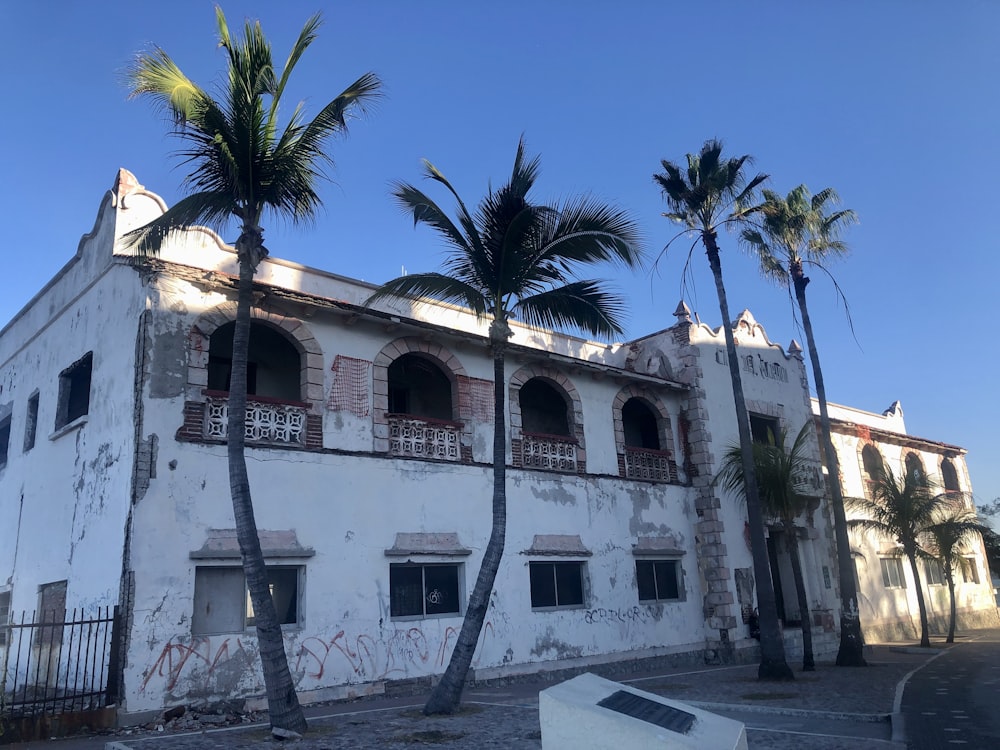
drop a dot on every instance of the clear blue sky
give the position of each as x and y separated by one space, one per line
894 104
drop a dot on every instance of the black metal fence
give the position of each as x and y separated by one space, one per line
59 662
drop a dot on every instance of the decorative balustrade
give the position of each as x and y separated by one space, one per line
646 463
422 437
267 421
550 452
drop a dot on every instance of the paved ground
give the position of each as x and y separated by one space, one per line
953 701
829 709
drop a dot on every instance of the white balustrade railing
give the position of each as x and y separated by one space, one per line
265 423
415 437
551 452
643 463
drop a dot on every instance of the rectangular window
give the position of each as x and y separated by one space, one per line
765 430
51 613
4 440
31 422
74 391
4 616
424 590
222 602
658 580
556 584
892 573
934 573
970 571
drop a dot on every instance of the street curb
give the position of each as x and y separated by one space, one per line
898 723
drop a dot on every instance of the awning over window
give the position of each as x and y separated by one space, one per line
221 544
427 543
557 545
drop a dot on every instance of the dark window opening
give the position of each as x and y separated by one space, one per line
274 366
934 573
31 422
765 430
422 590
419 388
556 584
914 467
871 460
970 571
949 475
74 390
657 580
543 409
4 440
640 425
222 602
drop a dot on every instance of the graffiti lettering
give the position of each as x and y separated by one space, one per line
176 655
635 614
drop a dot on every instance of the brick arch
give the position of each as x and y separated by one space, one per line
865 481
461 397
663 427
574 410
913 458
310 370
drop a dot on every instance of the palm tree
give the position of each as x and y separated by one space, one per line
795 231
243 164
946 537
513 258
710 194
902 509
781 480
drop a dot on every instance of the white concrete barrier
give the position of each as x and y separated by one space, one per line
591 713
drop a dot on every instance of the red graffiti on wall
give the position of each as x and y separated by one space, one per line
176 655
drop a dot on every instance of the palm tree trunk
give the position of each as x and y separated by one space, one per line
808 663
447 694
282 702
852 645
925 639
951 597
773 665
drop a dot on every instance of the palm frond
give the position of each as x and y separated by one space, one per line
209 209
433 285
580 305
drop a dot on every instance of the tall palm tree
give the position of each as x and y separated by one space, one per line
781 480
795 231
902 509
245 164
513 258
946 538
712 193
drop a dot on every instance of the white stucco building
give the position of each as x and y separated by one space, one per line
370 441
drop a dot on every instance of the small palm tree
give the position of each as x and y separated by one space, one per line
796 231
946 538
707 195
513 258
781 479
902 509
243 165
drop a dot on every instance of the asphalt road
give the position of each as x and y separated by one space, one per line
954 700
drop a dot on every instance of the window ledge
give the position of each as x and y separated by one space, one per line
67 428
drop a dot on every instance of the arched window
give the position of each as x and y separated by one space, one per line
914 467
871 460
639 423
543 409
273 363
418 387
949 476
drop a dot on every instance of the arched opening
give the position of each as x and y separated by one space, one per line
914 467
273 363
871 460
949 476
543 409
418 387
640 425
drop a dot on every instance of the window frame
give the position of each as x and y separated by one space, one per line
556 565
897 567
934 572
678 577
5 602
5 427
459 567
244 598
970 570
30 422
768 422
69 381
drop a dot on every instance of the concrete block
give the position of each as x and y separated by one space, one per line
590 712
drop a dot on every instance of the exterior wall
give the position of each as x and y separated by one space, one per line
64 502
892 613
